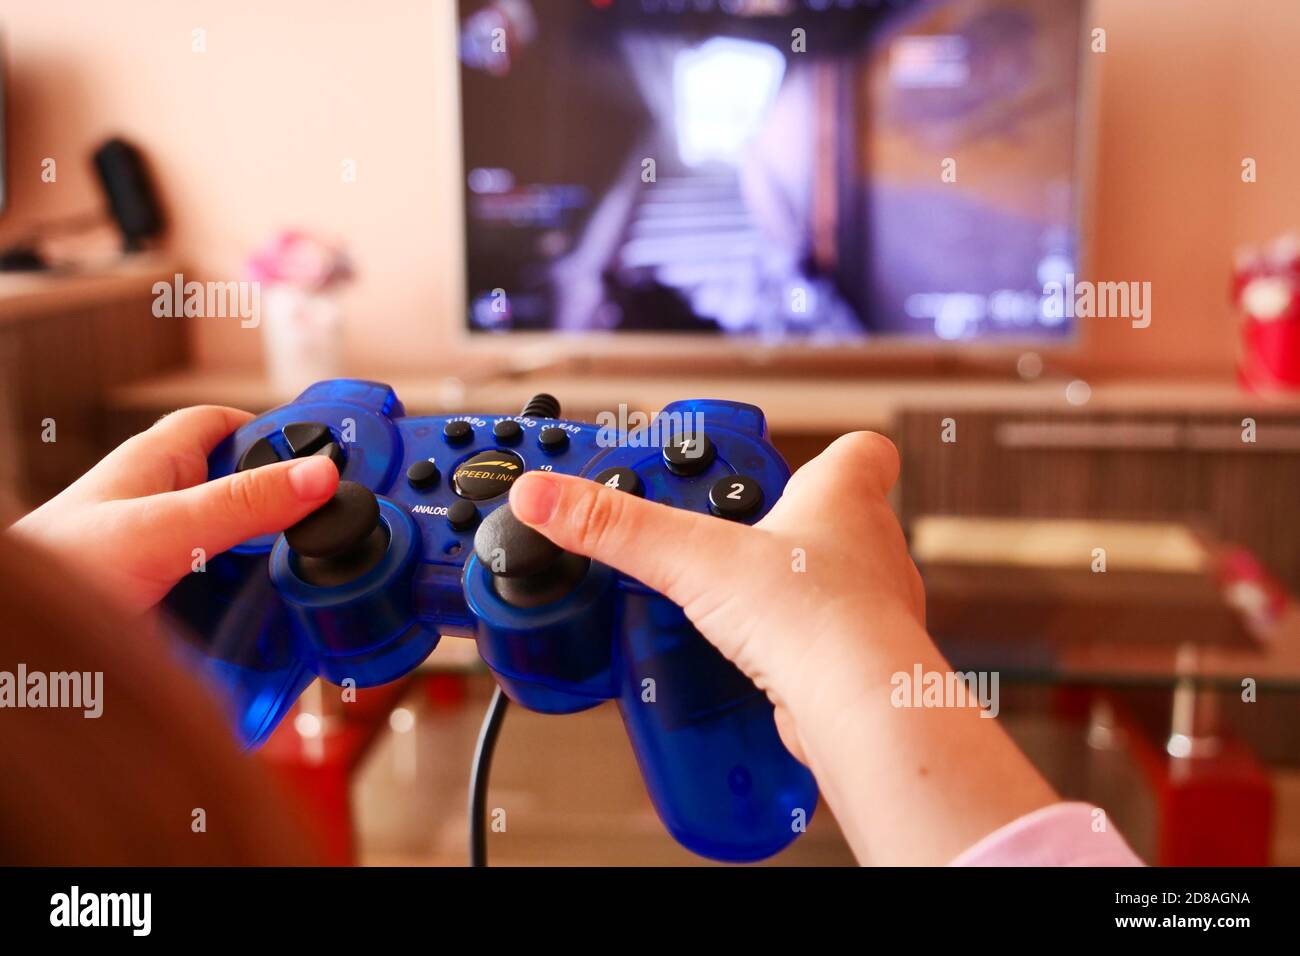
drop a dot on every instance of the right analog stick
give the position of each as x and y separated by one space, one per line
528 569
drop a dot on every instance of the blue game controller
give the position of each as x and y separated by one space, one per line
419 542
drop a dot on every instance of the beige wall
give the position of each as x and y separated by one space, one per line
249 137
1187 89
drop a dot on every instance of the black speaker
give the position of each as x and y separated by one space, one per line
129 191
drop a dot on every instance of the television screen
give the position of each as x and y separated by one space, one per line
818 170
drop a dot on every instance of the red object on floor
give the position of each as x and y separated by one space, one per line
318 771
443 691
1213 810
1216 811
1072 703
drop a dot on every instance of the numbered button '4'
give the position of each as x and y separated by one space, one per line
622 479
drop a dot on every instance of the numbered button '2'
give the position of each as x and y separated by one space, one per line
736 497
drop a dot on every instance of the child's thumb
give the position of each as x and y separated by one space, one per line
217 515
675 552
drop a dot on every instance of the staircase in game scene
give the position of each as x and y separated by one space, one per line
697 236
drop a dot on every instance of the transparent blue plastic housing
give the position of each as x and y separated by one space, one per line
704 736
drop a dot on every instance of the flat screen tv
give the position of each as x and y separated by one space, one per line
817 171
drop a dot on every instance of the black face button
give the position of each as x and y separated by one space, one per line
621 479
507 431
260 453
736 497
335 453
553 440
528 569
422 474
458 432
689 455
307 438
462 515
340 540
487 474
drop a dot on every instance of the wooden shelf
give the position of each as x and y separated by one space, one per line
28 295
802 406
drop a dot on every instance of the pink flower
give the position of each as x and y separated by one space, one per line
298 259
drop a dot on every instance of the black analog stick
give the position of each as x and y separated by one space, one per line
340 540
528 569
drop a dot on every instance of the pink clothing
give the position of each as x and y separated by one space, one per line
1063 834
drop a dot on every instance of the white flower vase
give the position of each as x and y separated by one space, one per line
302 335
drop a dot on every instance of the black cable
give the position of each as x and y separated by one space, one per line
478 776
540 406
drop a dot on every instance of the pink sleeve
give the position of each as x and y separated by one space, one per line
1063 834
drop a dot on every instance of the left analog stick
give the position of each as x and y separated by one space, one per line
340 540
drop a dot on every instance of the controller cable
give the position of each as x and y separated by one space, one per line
540 406
478 776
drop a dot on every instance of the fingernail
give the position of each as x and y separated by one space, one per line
313 478
534 497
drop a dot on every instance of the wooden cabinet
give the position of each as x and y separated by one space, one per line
1190 467
65 341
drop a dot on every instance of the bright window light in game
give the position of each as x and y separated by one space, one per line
722 91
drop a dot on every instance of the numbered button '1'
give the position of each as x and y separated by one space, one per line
689 455
736 497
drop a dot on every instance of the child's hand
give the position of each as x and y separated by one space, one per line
792 600
820 605
132 523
